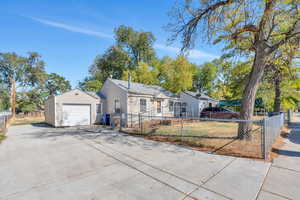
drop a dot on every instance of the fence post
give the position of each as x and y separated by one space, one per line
140 123
120 121
263 139
289 115
181 128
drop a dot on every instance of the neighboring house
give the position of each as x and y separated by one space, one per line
74 108
135 98
196 102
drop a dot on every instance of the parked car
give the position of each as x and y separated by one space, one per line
219 113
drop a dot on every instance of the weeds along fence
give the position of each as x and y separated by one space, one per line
5 116
213 135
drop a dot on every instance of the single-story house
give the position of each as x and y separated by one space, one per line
134 98
196 102
73 108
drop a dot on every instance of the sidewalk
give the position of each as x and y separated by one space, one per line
283 179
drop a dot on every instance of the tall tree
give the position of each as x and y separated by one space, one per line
56 84
17 71
112 63
248 26
138 45
131 47
205 78
280 68
179 76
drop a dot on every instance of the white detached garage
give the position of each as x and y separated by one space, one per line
74 108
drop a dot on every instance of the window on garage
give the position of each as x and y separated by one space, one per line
143 105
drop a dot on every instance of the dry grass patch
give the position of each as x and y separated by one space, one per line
212 136
27 120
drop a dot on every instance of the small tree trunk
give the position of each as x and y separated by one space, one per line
277 99
247 107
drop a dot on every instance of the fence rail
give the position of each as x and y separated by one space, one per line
5 113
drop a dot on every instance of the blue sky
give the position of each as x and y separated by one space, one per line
70 33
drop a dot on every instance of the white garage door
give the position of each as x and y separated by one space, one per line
75 115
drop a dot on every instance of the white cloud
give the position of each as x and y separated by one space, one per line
72 28
194 54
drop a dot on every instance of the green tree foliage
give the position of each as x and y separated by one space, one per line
56 84
179 75
131 47
90 84
142 74
110 64
205 78
17 71
25 82
29 101
4 97
138 45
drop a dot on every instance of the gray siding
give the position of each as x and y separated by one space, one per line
113 92
151 108
193 104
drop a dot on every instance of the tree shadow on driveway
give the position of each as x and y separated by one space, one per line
106 136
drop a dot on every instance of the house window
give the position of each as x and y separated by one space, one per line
117 106
183 108
143 105
158 104
99 108
171 106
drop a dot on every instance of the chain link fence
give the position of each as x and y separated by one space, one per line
5 116
272 127
221 136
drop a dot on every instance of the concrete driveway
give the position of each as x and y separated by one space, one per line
46 163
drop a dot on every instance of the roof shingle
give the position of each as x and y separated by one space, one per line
139 88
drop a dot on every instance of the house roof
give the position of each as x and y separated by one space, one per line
139 88
97 95
199 96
